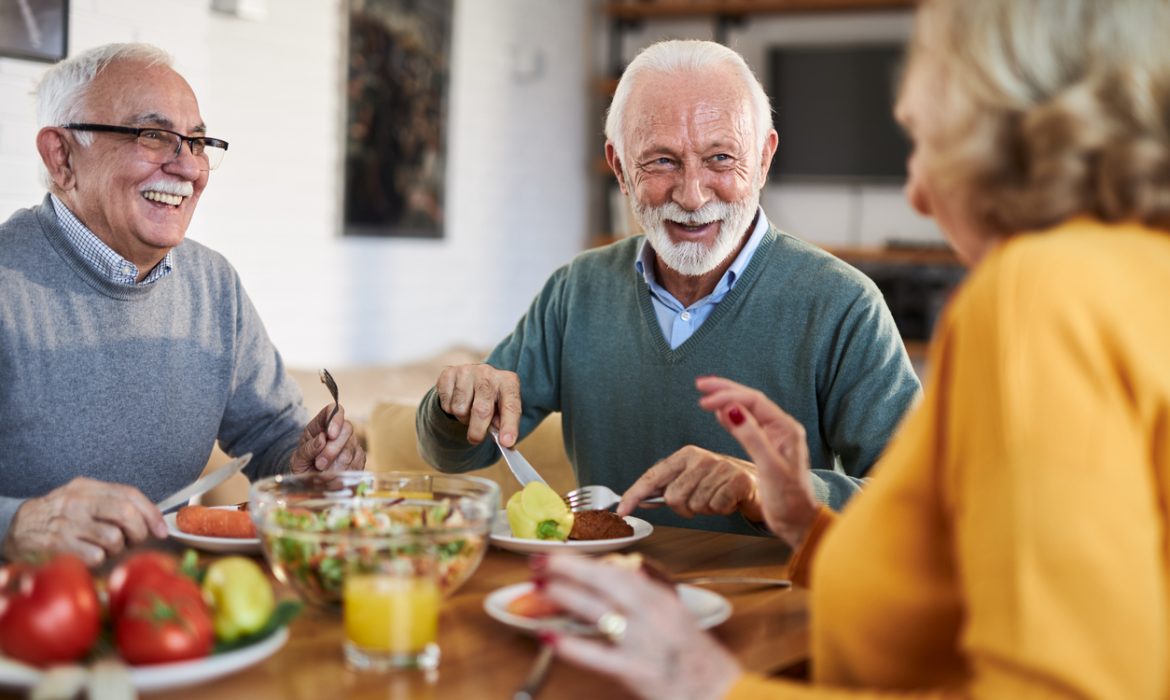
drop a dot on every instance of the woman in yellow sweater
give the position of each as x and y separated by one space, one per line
1014 541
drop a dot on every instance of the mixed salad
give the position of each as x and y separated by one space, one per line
313 545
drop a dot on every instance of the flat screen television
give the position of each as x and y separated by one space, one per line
833 111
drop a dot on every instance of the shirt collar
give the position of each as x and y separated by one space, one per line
101 257
644 260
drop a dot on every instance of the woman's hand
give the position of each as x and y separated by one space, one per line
661 654
776 443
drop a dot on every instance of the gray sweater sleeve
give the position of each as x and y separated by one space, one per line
8 508
265 413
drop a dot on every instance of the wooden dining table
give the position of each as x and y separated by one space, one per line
483 658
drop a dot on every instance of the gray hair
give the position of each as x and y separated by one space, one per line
1056 108
61 92
685 56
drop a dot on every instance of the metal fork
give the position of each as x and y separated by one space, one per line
327 380
536 676
601 498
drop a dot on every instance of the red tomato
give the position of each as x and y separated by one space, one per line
158 627
144 569
48 613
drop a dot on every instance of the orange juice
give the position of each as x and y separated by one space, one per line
391 614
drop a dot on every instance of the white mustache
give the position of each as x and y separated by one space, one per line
181 188
708 213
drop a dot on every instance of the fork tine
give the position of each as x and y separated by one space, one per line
327 380
577 501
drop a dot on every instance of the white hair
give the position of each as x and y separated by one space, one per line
685 56
61 92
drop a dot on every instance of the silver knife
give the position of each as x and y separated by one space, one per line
520 467
205 483
733 580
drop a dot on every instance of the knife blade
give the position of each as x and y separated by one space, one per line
520 467
734 580
204 483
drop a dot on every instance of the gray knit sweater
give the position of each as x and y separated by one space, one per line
130 384
805 328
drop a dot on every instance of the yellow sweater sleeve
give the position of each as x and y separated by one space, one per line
1048 435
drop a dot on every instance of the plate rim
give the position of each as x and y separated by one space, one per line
169 676
219 544
527 546
495 602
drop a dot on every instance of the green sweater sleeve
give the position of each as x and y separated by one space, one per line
533 352
868 384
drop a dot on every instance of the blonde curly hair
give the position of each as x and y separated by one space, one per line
1053 108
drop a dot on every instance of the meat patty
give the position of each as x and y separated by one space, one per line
599 525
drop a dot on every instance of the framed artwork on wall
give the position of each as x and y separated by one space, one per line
34 29
398 58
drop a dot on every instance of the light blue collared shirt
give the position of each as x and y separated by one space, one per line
102 257
678 323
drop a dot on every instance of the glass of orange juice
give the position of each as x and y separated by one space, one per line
390 606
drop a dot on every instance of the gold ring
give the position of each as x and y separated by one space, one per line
612 625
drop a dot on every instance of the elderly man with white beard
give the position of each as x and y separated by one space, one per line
126 351
617 338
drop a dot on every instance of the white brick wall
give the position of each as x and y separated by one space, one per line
518 172
515 185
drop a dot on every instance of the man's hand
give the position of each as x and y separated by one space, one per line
696 481
332 447
480 396
92 519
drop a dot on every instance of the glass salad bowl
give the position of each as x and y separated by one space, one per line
313 526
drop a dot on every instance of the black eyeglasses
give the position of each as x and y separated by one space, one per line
162 145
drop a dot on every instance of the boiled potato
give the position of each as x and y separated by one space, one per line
537 513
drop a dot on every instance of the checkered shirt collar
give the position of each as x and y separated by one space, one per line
100 256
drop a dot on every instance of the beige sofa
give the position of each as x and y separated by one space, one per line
381 401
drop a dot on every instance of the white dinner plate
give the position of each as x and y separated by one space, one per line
155 677
502 538
707 607
220 545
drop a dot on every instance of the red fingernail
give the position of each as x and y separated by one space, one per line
539 581
547 638
735 416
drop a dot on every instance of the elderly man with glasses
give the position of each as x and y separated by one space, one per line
126 352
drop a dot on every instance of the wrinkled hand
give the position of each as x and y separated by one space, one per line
328 448
662 655
777 445
92 519
696 481
480 396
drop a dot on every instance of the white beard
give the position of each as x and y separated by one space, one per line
692 258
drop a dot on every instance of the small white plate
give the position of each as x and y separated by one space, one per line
220 545
707 607
502 538
156 677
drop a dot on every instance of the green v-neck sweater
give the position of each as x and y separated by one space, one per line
808 330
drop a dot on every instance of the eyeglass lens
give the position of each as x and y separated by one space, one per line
163 147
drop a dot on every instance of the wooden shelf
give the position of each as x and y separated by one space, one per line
640 9
908 255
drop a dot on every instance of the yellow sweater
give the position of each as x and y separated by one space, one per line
1013 542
